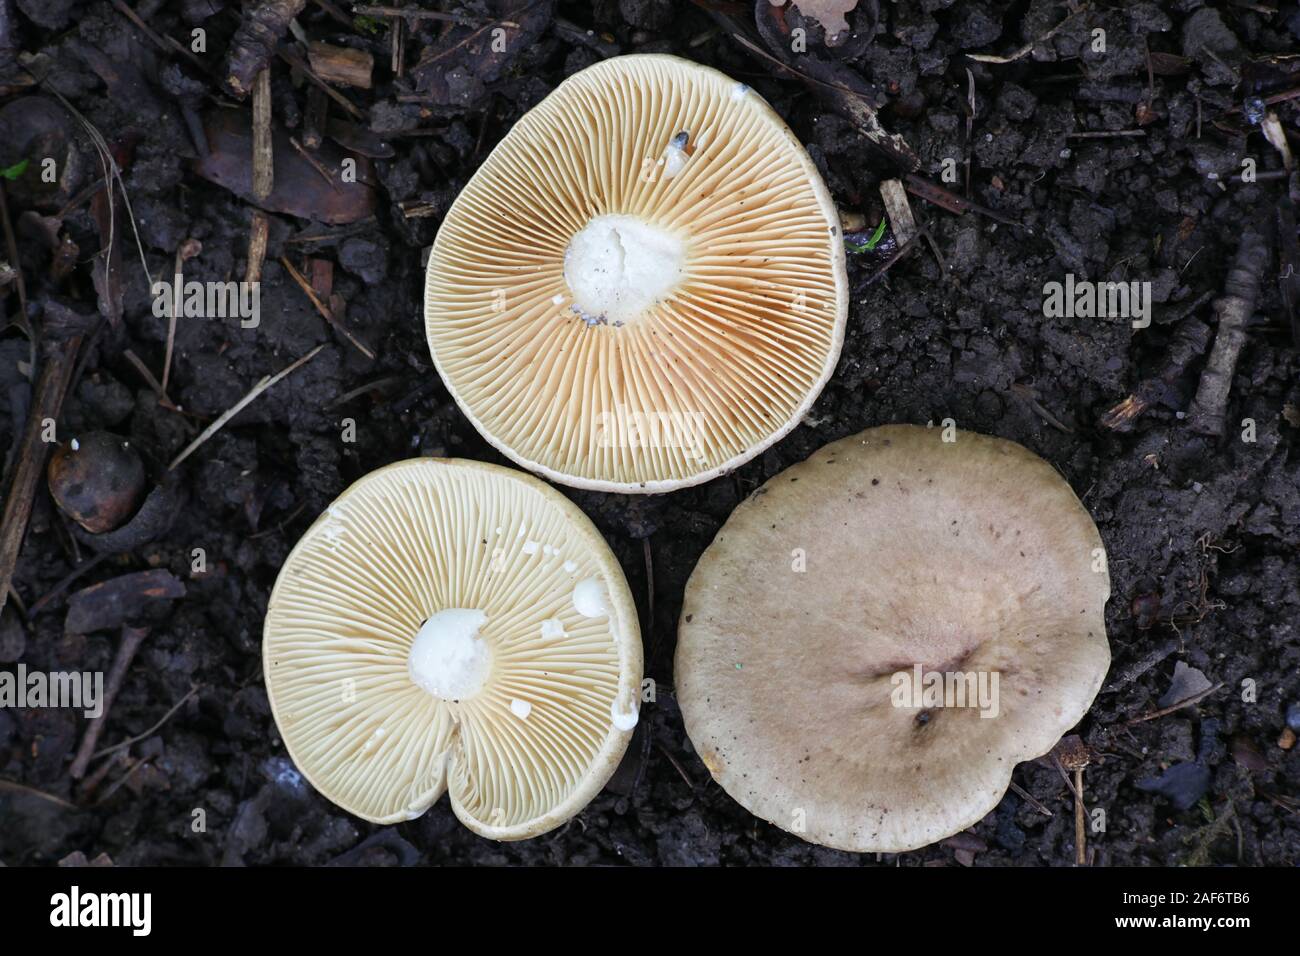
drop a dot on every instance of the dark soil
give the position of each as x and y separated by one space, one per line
1203 534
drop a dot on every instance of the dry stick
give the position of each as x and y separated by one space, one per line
945 199
1188 343
302 67
258 235
260 29
1106 133
1176 705
397 39
132 638
898 209
67 580
235 409
149 379
888 264
166 44
263 155
185 251
315 164
1030 799
856 110
14 787
326 313
55 378
152 730
340 64
1080 831
414 13
1234 309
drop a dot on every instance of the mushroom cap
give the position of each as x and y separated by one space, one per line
732 240
520 572
971 557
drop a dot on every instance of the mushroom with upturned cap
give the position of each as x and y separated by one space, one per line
810 696
452 625
643 286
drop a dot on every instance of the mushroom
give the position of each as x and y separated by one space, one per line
643 286
816 622
453 625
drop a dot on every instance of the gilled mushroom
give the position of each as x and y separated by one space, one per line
814 625
643 286
452 625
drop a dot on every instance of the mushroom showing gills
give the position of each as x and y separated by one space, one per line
969 559
643 286
454 626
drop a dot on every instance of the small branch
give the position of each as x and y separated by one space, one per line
56 376
1234 310
132 638
255 42
1080 814
240 405
1177 705
263 150
130 741
326 313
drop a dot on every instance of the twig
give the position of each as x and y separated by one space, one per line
152 730
265 383
14 787
676 765
67 580
56 376
258 234
377 385
901 251
260 30
314 163
1175 706
121 781
1234 310
1080 830
132 637
924 189
263 150
152 382
1030 799
414 13
1105 133
326 313
302 67
185 251
157 39
1188 343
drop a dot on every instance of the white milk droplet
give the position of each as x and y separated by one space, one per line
521 708
530 547
623 719
553 627
589 598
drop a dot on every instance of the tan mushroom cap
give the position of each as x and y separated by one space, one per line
530 672
618 312
971 557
